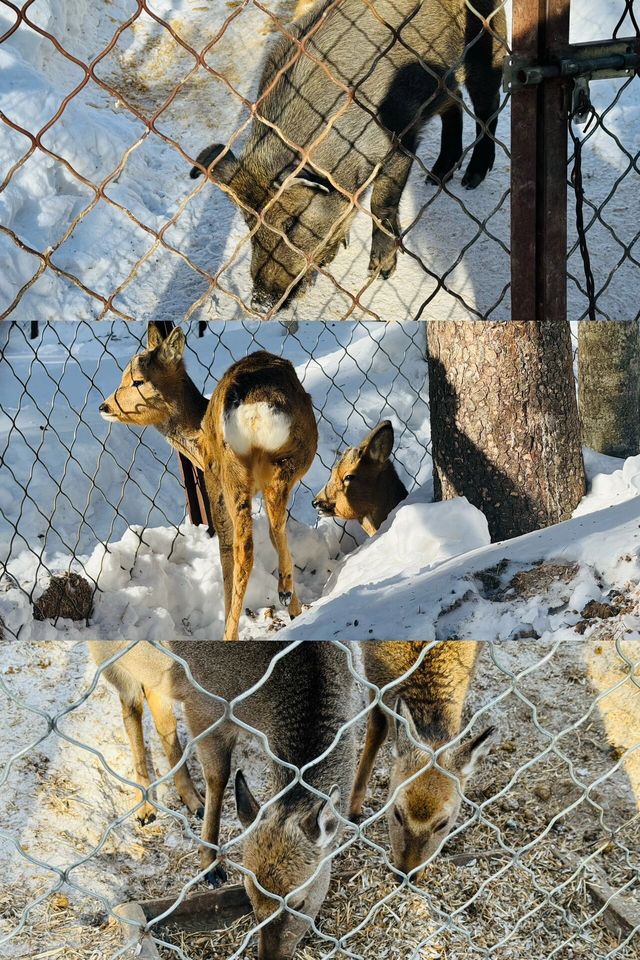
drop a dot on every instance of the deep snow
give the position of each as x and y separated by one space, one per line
459 260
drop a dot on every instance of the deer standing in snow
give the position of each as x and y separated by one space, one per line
427 700
364 485
256 433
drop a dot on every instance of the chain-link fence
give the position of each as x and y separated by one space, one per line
529 849
603 166
98 499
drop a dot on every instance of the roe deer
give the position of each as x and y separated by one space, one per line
143 673
344 95
428 705
364 485
301 705
257 432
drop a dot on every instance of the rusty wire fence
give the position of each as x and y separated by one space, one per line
531 850
94 499
124 99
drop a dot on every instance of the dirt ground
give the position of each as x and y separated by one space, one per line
561 787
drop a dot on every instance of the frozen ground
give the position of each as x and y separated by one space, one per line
458 264
561 785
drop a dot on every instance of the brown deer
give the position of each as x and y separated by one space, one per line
427 698
256 433
302 707
364 485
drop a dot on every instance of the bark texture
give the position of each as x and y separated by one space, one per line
609 385
504 421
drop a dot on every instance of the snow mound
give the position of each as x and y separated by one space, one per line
161 584
465 586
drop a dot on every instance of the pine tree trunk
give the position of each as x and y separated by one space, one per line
504 421
609 386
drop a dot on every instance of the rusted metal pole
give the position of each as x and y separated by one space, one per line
192 478
539 125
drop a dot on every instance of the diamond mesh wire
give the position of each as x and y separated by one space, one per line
73 483
541 860
155 68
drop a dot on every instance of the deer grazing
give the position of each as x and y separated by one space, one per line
423 800
256 433
364 485
302 706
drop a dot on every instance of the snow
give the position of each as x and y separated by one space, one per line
102 134
447 598
105 500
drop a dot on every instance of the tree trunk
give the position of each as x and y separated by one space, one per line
609 385
504 421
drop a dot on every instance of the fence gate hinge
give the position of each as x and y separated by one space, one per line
580 62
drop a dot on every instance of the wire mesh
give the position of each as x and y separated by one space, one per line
610 151
81 496
167 70
541 858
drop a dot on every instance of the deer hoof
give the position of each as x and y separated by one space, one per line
285 598
146 816
216 876
200 813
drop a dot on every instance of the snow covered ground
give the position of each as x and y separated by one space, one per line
90 483
458 262
105 501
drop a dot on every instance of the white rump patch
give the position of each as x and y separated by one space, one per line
256 425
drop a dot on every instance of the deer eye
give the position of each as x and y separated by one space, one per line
349 476
441 825
137 383
297 904
398 816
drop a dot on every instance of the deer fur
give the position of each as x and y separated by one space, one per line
303 699
256 433
423 801
364 485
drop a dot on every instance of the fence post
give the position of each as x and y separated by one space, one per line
195 490
539 125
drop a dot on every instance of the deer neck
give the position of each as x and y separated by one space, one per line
183 430
393 491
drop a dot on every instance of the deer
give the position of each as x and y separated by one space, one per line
296 697
422 708
257 432
364 485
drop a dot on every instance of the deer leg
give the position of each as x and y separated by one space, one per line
224 532
450 144
276 499
215 754
385 200
238 500
132 718
165 721
377 729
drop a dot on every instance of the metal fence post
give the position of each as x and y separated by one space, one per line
539 120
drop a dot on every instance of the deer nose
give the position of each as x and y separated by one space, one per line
104 408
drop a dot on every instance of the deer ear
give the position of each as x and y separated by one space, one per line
406 733
464 758
226 164
246 804
379 443
321 824
171 350
154 337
